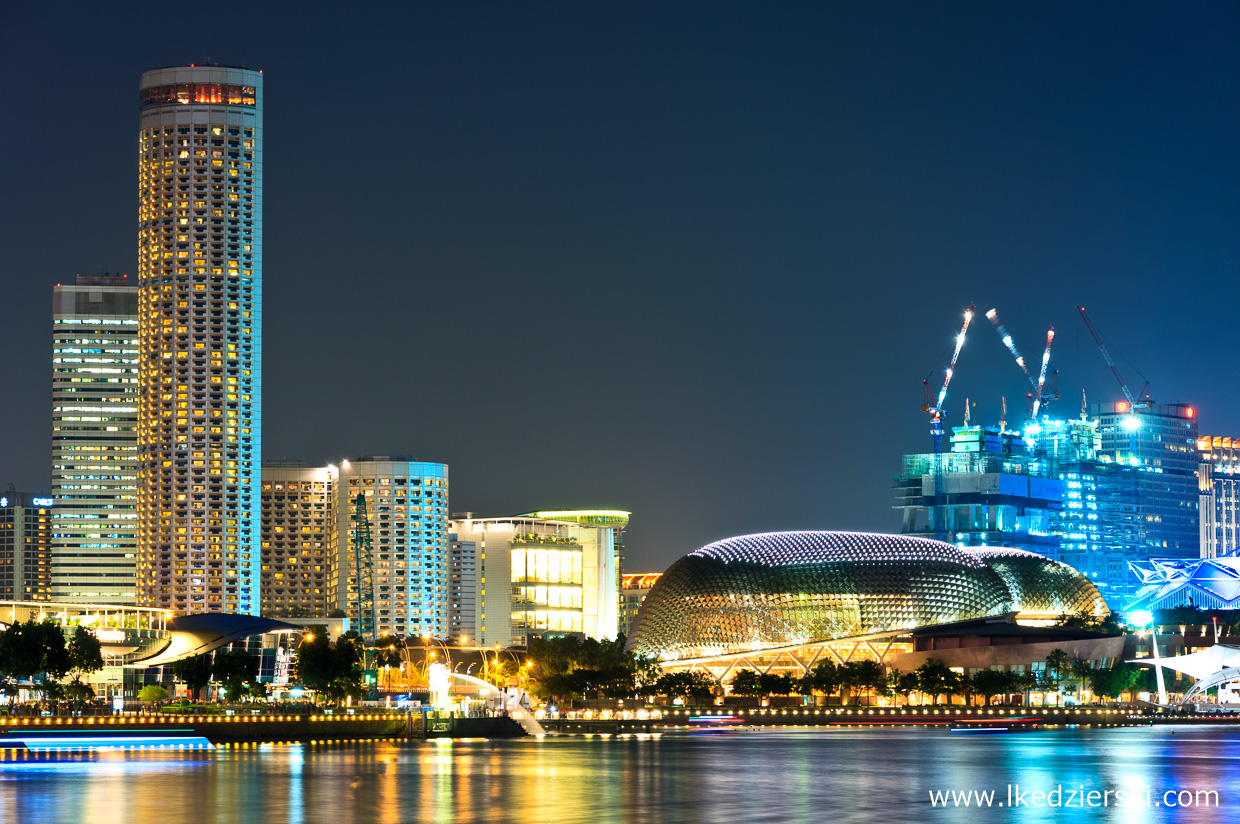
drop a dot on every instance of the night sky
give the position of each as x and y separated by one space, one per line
689 260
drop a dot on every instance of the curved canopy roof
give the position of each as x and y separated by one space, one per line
191 635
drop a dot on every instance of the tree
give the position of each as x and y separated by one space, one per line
563 665
779 684
1058 663
152 694
901 683
871 676
195 672
747 683
84 651
236 669
935 678
331 669
85 655
1118 678
691 685
849 679
79 693
34 652
1080 672
823 678
988 683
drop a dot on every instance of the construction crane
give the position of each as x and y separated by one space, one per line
936 413
1039 384
1038 397
363 570
1133 403
993 316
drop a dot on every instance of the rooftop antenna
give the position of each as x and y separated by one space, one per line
1003 413
966 412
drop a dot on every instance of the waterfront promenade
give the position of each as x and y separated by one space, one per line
367 726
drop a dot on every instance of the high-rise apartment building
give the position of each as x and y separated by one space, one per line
200 331
1218 478
95 440
406 512
633 590
25 547
298 539
463 584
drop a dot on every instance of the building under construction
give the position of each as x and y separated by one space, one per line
1118 484
1047 489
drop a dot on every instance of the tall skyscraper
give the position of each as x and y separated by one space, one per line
200 303
95 440
1160 441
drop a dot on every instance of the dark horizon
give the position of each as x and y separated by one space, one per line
695 266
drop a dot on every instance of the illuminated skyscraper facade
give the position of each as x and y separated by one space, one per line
406 513
1218 483
1160 441
95 440
25 547
200 332
299 539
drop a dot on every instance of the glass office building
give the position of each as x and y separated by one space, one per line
1160 441
95 440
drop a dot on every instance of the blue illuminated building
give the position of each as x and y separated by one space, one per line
1160 442
1096 493
996 493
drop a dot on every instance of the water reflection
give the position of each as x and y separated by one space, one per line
784 775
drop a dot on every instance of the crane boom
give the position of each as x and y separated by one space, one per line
363 569
936 428
1106 355
951 367
993 316
1046 359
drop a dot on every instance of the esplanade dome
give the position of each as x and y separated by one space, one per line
777 589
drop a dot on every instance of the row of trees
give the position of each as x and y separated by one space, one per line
934 679
35 655
566 667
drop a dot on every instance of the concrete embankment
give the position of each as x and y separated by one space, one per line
264 728
225 729
679 718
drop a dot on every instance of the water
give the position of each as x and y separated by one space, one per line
774 775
